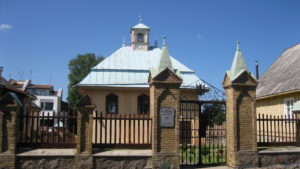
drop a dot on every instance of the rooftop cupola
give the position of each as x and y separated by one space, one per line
140 36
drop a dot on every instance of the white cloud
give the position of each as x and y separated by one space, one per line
200 36
5 26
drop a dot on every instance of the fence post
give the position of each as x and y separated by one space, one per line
241 132
297 131
165 113
83 157
10 107
1 130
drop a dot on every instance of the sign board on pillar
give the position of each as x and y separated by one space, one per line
167 117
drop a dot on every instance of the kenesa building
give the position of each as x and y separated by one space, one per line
119 84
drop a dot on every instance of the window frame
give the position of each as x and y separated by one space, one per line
140 36
43 104
140 102
111 98
288 105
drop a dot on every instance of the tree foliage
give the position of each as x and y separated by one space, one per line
79 68
212 114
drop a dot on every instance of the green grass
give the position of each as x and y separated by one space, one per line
209 154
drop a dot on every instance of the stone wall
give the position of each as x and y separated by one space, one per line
68 162
47 162
287 159
122 162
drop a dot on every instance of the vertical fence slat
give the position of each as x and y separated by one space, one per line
63 126
120 128
110 127
101 126
148 140
278 129
293 128
286 139
134 129
37 128
21 127
96 127
139 130
31 128
105 130
263 124
26 127
48 118
259 128
43 127
129 134
115 133
271 131
58 129
289 130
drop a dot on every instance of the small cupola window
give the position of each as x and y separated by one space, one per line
140 38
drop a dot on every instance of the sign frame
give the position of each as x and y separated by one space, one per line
167 117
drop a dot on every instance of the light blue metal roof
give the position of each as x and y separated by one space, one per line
140 26
130 68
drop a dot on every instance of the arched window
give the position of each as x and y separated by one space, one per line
143 104
140 38
112 103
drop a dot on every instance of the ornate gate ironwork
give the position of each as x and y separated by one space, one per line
202 133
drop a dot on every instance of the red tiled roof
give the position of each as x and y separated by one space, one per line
39 86
19 91
18 85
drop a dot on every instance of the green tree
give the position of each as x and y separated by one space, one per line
79 68
212 114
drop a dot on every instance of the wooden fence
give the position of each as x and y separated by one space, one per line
55 130
122 131
278 130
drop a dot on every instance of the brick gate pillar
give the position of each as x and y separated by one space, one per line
240 87
10 107
83 157
164 110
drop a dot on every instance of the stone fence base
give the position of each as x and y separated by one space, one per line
67 159
50 162
280 157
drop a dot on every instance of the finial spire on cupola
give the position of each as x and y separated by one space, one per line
238 45
140 19
123 42
238 65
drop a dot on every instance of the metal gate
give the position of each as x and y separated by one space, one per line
202 133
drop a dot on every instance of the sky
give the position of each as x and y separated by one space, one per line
38 38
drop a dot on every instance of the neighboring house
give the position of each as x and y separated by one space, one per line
48 99
119 84
22 98
278 91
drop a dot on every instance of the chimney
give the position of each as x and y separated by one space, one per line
257 71
1 70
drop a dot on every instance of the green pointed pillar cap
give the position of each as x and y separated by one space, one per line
238 65
164 62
